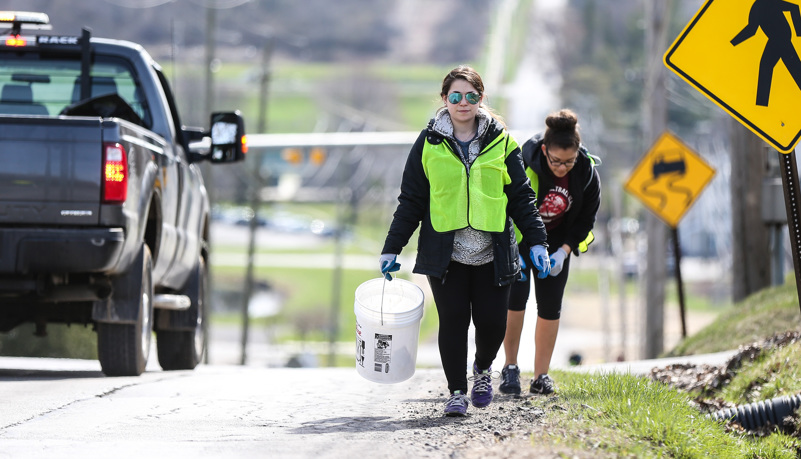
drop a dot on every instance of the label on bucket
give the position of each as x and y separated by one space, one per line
383 352
360 345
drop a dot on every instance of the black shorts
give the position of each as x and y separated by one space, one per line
548 292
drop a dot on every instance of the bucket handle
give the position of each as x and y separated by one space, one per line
383 285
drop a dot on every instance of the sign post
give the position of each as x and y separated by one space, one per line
792 201
741 55
668 180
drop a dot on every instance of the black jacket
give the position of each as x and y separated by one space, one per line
434 249
585 188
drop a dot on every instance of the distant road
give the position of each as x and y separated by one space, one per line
322 261
239 235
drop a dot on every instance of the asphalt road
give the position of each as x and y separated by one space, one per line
67 408
61 408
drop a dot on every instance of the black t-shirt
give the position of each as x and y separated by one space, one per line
556 202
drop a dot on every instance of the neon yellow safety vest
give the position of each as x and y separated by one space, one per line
460 198
535 185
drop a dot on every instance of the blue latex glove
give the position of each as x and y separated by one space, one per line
557 261
388 263
539 255
522 268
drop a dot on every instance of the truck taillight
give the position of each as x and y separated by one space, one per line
115 173
16 40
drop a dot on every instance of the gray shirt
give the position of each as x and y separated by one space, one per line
471 246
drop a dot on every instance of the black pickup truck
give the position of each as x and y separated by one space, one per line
104 217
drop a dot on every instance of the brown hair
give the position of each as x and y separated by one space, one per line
471 76
562 130
465 73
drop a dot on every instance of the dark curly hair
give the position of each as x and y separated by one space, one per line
562 130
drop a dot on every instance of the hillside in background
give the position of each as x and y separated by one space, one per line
315 30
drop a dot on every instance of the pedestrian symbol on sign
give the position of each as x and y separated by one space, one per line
768 15
744 56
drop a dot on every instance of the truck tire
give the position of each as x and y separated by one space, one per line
123 348
183 349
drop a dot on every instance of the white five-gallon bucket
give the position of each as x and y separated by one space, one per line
387 331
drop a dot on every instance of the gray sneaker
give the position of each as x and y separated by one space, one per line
543 385
456 404
510 380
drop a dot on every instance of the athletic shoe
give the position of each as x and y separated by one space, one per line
510 380
542 385
456 404
481 395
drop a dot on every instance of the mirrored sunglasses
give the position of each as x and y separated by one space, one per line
456 97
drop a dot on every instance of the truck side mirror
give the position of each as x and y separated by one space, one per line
228 141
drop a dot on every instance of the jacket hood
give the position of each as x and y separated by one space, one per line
443 125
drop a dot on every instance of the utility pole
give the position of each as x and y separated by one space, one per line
206 167
211 37
750 234
255 201
655 121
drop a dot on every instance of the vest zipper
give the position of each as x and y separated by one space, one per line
467 171
498 140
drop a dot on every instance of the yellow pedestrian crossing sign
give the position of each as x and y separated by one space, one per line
743 54
669 178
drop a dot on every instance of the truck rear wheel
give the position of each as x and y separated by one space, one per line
183 349
123 348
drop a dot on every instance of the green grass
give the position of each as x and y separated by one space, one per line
519 32
418 75
771 375
777 369
308 309
763 314
62 341
298 91
629 416
622 415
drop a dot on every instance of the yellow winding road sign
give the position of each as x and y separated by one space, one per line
743 54
669 178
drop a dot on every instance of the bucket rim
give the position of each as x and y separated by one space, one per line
408 290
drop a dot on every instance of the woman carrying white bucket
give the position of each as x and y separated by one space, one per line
464 184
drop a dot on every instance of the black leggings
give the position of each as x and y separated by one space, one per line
468 291
549 292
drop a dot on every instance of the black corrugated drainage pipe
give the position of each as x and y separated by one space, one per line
761 413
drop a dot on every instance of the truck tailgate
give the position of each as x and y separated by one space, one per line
50 170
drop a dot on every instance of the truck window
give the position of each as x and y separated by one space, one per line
42 85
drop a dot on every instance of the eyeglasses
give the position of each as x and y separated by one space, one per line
567 164
456 97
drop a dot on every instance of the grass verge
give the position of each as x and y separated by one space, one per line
763 314
622 415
